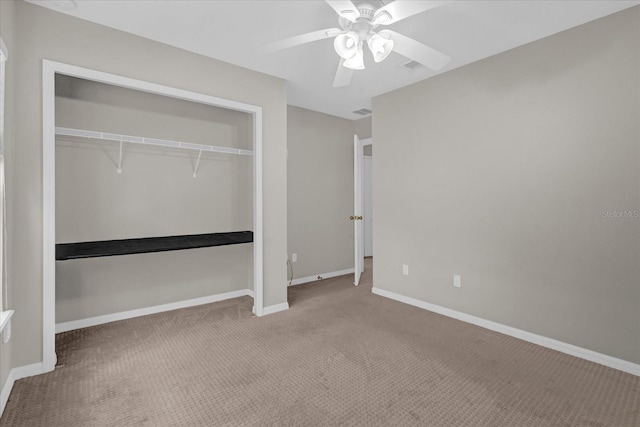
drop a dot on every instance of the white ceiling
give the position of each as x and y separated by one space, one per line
238 31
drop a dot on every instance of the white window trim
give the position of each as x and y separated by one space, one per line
5 315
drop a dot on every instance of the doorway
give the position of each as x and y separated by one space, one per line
367 201
359 200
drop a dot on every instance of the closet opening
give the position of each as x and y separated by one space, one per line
152 200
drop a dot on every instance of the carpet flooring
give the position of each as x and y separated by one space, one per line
339 356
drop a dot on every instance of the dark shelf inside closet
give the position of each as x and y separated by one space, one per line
66 251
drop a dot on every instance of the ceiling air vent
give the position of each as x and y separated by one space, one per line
411 65
362 112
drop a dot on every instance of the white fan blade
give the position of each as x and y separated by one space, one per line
344 8
303 38
412 49
343 75
399 9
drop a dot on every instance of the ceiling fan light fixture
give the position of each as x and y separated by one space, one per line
346 45
379 46
357 61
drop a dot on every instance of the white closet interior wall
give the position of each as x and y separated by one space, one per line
155 195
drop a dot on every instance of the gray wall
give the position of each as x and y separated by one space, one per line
155 195
362 127
500 171
7 30
320 192
41 33
320 189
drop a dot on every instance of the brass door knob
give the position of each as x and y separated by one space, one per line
352 217
360 218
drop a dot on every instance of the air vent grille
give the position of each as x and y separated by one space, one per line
411 65
362 112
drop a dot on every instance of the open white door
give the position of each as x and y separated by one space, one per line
358 236
367 203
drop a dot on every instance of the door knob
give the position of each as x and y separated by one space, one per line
352 217
359 217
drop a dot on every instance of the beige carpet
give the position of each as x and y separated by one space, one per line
339 356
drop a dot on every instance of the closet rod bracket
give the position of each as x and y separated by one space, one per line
120 159
195 170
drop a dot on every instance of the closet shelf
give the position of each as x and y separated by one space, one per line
150 141
66 251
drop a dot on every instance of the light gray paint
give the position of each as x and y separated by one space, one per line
362 127
44 34
98 286
155 195
7 31
500 171
320 192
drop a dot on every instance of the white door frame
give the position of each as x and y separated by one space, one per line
49 70
358 205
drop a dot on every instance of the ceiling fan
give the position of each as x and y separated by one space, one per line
359 25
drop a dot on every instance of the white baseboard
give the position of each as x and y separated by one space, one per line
314 278
275 308
14 375
99 320
583 353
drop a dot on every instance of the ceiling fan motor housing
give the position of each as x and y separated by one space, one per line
364 22
359 31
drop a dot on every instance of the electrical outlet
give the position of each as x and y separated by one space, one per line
294 257
405 269
457 281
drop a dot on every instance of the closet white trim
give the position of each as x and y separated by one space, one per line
49 70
